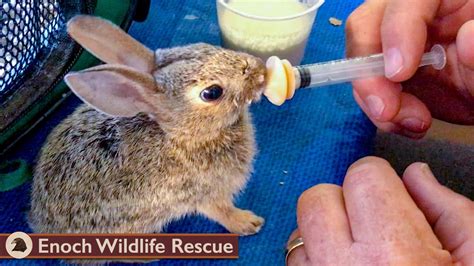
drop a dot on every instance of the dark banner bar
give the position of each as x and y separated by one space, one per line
118 246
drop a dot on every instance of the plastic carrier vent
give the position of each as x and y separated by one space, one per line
25 28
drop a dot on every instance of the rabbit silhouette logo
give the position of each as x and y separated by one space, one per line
19 245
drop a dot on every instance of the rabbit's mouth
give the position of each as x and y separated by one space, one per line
258 90
261 84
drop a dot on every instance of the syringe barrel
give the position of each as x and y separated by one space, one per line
341 71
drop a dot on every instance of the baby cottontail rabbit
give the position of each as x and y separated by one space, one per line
163 134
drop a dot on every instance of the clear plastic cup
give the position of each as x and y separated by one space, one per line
267 27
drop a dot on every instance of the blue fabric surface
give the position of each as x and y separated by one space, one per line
311 139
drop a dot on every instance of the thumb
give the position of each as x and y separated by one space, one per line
464 43
450 214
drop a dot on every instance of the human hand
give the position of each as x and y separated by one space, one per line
403 30
376 218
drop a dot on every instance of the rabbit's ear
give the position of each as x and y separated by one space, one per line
115 90
109 43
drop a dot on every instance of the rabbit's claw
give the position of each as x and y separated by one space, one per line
244 222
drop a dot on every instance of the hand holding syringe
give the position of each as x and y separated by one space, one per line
283 79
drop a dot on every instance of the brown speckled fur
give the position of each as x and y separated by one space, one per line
99 173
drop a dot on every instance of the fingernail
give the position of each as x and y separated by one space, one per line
426 171
414 124
393 62
375 106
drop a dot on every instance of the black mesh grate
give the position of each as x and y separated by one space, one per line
25 28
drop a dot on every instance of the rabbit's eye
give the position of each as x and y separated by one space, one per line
211 93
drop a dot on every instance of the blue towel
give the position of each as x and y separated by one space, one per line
311 139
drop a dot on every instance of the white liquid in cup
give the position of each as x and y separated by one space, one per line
264 38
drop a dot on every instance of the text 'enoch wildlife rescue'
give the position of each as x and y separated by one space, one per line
118 246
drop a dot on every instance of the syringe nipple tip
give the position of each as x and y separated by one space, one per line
440 55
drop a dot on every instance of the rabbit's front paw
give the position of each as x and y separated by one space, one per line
244 222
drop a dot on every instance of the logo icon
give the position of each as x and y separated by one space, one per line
19 245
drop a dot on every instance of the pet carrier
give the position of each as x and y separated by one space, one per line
36 53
